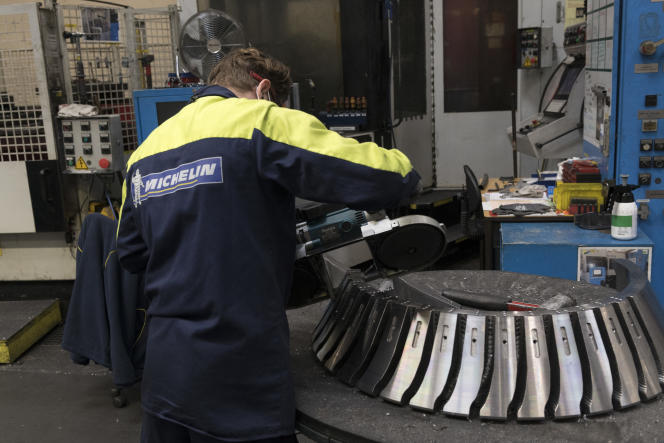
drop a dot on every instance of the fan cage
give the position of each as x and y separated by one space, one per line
206 38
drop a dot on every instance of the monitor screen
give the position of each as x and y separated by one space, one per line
166 110
567 82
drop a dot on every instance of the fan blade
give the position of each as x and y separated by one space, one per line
193 48
230 30
213 26
192 30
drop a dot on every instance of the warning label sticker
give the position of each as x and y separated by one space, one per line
80 164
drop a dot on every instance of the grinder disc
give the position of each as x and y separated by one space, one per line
412 246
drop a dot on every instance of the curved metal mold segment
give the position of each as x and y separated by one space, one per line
645 362
345 284
569 366
625 377
418 342
364 348
652 330
409 345
341 326
472 366
439 365
327 315
348 340
503 379
389 350
538 372
647 309
598 365
340 308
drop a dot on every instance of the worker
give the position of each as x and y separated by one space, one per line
208 215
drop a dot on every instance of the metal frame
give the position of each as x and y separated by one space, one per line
158 36
32 11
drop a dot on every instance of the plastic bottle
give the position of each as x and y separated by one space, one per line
624 214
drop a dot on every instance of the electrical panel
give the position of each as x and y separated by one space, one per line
575 39
92 144
535 48
634 31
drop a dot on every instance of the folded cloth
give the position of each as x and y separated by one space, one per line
520 209
533 191
76 110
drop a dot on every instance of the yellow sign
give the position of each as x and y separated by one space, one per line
80 164
574 12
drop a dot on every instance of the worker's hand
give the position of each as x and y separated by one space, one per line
418 189
413 195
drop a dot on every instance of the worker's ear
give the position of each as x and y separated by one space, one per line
263 90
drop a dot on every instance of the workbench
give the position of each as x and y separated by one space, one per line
328 410
490 244
551 249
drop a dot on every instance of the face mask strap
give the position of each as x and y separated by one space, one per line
259 79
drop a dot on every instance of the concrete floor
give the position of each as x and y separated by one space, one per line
44 397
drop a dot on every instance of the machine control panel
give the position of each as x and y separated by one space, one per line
535 48
92 144
637 110
575 39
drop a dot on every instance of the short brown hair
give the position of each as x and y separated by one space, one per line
234 71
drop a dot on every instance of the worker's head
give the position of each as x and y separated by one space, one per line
249 73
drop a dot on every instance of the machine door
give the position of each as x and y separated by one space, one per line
474 78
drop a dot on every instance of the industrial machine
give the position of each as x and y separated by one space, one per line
393 246
31 87
624 107
556 130
404 243
53 54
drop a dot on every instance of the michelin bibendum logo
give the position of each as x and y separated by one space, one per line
185 176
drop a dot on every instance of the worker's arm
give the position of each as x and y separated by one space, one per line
131 248
296 150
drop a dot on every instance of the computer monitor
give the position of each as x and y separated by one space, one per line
154 106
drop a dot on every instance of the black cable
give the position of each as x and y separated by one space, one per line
87 198
391 126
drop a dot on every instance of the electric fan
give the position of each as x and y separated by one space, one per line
206 38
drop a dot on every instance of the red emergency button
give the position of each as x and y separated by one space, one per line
104 163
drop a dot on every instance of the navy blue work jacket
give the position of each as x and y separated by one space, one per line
208 215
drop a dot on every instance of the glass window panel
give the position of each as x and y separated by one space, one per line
479 41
